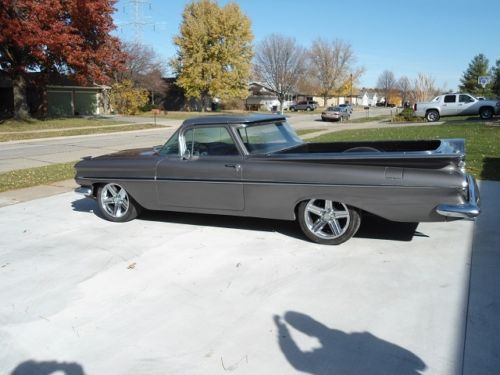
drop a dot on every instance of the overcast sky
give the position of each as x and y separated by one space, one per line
439 38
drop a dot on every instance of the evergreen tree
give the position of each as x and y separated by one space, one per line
495 82
479 66
214 51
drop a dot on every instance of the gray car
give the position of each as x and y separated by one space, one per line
257 166
335 114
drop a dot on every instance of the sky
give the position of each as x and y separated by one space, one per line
437 37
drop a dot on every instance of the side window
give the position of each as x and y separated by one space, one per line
450 98
465 99
212 141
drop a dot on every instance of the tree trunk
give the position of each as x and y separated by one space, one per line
325 98
21 110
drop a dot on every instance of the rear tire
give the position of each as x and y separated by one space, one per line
328 222
432 115
486 113
115 204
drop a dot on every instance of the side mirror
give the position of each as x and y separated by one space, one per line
186 155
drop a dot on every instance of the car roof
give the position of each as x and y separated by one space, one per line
233 119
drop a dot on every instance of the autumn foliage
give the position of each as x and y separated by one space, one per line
127 99
70 37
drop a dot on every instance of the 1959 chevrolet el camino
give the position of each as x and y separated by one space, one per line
257 166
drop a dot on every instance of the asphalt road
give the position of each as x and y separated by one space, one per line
196 294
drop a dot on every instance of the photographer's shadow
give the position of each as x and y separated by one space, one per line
343 353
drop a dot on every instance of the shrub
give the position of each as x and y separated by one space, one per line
127 99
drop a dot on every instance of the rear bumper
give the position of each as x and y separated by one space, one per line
468 210
85 190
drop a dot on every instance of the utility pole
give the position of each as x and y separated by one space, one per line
139 19
351 90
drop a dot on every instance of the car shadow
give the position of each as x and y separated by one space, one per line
372 227
340 352
48 368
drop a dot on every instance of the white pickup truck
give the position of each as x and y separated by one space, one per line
456 105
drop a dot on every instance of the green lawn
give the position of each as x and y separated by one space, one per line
22 178
32 125
307 131
370 119
64 133
482 142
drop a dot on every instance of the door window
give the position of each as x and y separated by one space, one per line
210 141
465 99
450 98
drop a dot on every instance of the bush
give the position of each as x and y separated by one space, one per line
127 99
406 115
233 104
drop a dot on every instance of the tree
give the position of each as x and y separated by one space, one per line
404 86
495 84
331 66
479 66
424 88
68 37
144 67
214 51
387 83
280 64
127 99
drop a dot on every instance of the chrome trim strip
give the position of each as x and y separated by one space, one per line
84 190
468 210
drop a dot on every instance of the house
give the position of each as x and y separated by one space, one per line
62 97
262 97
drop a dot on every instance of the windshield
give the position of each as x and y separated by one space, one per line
267 138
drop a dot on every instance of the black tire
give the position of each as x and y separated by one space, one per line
118 208
432 115
346 227
486 113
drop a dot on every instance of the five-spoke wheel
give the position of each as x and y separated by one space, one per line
115 204
328 222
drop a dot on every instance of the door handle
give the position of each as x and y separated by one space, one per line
237 167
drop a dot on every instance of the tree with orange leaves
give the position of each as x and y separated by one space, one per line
69 37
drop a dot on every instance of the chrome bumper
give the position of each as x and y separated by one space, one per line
84 190
468 210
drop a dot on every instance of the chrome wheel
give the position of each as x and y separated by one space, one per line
432 115
114 200
326 219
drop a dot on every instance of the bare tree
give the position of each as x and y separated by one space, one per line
279 64
331 66
404 85
387 83
143 67
424 88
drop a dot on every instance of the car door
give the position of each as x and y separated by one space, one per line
466 105
450 105
205 172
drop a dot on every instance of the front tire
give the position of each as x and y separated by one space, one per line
486 113
115 204
328 222
432 115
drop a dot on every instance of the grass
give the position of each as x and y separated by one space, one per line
33 125
482 142
369 119
23 178
64 133
307 131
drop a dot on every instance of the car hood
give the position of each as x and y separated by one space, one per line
132 153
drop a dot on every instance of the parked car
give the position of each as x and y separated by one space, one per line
457 104
308 105
335 114
257 166
348 106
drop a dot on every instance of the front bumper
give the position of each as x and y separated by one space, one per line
468 210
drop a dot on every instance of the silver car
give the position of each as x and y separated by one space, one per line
335 114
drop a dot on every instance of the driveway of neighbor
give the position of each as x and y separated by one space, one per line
196 294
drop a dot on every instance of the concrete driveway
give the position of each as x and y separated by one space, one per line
195 294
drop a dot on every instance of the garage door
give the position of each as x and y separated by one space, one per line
85 103
59 103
